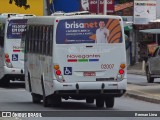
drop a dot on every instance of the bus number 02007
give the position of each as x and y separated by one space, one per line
107 66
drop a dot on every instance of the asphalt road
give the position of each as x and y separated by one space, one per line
15 98
140 80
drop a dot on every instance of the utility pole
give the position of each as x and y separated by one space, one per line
105 7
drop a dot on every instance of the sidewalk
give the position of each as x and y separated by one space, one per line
149 92
136 69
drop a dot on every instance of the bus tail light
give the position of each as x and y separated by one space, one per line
122 66
58 72
8 61
56 67
6 56
121 71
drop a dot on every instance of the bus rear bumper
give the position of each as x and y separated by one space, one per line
115 89
13 71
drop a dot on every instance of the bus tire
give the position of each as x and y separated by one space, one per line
109 101
89 100
36 98
100 102
56 100
4 82
45 99
29 83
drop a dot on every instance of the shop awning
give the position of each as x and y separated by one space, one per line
151 31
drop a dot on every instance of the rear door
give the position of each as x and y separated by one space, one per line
90 49
13 42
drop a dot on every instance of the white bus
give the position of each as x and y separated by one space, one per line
11 52
65 59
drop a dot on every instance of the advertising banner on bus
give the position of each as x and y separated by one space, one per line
89 31
15 28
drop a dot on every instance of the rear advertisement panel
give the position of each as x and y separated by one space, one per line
94 7
15 28
75 31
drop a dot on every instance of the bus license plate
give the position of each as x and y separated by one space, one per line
89 74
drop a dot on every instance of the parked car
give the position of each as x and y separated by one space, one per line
153 66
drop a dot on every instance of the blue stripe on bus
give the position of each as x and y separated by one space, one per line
93 60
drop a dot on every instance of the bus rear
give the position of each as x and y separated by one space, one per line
13 50
89 57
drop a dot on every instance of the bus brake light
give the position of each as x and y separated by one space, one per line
121 71
7 60
58 72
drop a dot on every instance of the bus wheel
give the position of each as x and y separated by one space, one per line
109 102
89 100
99 102
36 98
4 82
56 101
45 99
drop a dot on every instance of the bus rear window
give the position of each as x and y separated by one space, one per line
76 31
15 28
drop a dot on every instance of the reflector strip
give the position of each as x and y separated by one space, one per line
16 50
82 60
93 60
72 60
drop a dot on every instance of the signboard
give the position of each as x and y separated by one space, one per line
32 7
15 28
144 11
92 6
89 31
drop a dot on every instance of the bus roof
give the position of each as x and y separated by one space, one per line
49 20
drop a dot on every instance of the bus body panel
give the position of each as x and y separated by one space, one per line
12 53
83 66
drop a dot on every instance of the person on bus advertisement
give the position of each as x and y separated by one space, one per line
102 33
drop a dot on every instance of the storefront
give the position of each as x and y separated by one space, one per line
146 36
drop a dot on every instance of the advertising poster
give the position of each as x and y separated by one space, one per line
15 28
144 11
23 7
92 6
89 31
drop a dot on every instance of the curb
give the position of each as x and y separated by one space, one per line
143 97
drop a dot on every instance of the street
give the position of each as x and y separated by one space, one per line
140 80
15 98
